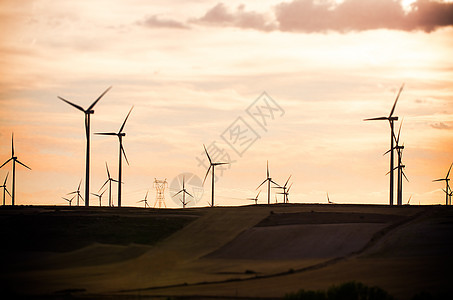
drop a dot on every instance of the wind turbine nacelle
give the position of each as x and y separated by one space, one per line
122 134
393 119
90 111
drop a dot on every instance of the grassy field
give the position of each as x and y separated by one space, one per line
254 251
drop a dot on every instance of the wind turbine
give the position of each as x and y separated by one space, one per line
145 200
69 200
269 180
285 194
99 196
391 120
88 112
256 198
212 164
184 192
5 189
120 134
14 159
284 190
77 192
109 180
447 188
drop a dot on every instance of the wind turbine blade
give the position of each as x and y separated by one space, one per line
79 184
375 119
258 194
7 191
177 193
188 194
146 196
6 162
220 163
23 164
6 178
289 188
207 154
274 182
206 174
95 194
105 133
72 104
103 185
409 199
442 179
399 131
107 167
448 173
396 100
288 180
262 183
124 123
12 144
405 176
99 98
267 168
140 201
72 193
124 153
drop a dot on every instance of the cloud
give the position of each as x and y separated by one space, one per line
441 125
155 22
220 15
360 15
327 15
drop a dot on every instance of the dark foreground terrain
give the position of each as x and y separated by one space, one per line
259 251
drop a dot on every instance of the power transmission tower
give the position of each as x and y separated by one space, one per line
160 186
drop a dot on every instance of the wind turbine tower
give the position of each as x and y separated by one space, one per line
160 186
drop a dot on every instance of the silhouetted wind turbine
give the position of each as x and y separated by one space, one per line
184 192
447 185
286 194
77 193
88 112
145 200
212 165
284 190
69 200
99 196
109 180
14 159
391 120
120 134
5 189
269 180
256 198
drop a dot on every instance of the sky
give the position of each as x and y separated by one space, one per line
288 82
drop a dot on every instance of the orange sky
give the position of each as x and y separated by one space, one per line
191 68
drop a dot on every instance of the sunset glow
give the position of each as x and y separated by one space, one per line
191 68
